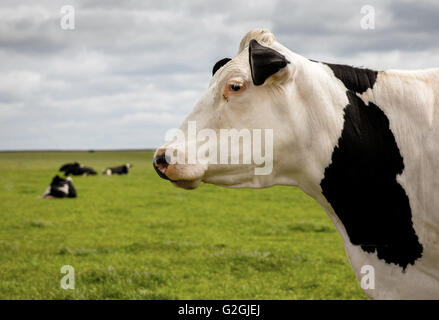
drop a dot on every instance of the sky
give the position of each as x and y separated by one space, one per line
131 70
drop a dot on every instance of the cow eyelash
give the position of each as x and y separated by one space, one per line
235 87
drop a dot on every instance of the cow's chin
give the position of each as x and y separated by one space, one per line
187 184
186 176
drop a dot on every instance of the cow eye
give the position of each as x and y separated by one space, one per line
235 86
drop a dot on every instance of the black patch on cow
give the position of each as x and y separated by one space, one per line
354 79
67 166
72 190
264 62
360 184
76 169
219 64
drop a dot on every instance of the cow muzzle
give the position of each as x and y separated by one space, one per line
187 176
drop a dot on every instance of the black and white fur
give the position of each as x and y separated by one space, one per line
77 169
60 188
124 169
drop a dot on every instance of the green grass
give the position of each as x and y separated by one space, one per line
138 237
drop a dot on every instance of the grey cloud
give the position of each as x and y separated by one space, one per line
133 69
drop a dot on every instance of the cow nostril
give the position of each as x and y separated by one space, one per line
161 162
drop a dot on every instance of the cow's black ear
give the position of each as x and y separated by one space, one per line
219 64
264 62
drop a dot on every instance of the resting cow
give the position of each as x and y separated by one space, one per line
76 169
117 170
363 143
60 188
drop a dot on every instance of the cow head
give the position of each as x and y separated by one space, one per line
265 94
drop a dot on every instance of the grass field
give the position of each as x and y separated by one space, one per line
138 237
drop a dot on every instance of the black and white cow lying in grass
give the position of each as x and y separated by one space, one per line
60 188
363 143
76 169
117 170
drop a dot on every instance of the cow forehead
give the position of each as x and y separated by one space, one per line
237 67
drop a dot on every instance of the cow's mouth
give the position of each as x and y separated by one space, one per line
187 184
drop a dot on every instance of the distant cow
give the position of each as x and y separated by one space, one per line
76 169
117 170
60 188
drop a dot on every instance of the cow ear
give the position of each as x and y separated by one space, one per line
219 64
264 62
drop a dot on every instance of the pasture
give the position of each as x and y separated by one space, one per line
138 237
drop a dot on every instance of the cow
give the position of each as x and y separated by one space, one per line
60 188
117 170
363 143
76 169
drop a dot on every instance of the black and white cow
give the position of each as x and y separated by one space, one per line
60 188
363 143
117 170
77 169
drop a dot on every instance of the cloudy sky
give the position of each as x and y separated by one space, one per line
131 70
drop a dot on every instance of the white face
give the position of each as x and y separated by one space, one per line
233 101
